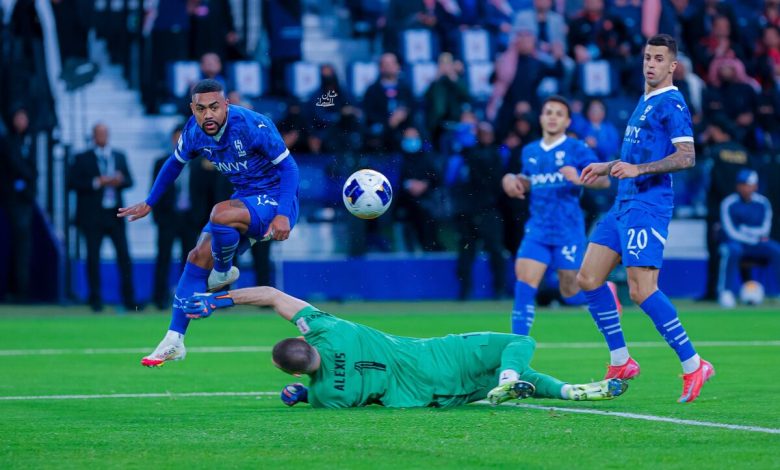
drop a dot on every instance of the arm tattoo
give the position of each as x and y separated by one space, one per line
684 157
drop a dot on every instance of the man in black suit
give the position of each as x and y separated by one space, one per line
99 176
179 215
21 175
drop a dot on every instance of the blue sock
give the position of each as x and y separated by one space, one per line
224 241
524 309
576 299
604 312
193 279
660 309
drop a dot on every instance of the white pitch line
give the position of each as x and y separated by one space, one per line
139 395
617 414
255 349
90 351
659 419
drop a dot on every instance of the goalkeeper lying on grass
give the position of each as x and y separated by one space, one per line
353 365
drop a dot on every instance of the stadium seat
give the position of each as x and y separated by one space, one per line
418 45
303 79
598 78
361 75
181 75
474 46
247 77
478 79
421 75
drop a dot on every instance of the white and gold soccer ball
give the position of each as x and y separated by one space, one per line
367 194
751 293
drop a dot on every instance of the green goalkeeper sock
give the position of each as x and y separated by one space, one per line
546 386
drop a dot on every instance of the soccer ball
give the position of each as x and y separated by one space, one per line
751 293
367 194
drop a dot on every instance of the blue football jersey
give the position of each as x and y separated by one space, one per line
660 120
246 151
556 217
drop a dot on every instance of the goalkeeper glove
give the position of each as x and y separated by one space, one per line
295 393
203 305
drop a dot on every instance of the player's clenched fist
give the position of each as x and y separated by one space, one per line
514 186
294 394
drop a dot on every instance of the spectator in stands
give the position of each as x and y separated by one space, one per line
166 27
213 29
718 44
593 34
325 107
176 219
211 68
767 58
446 98
417 203
518 75
767 128
725 157
771 13
598 133
547 26
99 176
401 15
731 92
293 129
474 177
514 211
283 23
747 219
21 179
702 23
388 104
690 85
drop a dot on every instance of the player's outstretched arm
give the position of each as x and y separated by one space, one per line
203 305
570 173
168 174
683 158
591 173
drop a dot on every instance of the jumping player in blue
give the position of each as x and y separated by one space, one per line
246 147
555 233
658 140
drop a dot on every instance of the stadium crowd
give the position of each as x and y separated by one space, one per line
449 144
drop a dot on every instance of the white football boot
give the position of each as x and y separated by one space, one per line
218 280
171 348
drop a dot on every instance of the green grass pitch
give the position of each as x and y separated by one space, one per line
72 352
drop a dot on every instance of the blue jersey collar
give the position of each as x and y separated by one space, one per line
659 91
555 143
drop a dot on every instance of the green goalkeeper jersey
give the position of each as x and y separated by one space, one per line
362 366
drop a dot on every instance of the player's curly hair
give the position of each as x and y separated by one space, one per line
294 355
207 86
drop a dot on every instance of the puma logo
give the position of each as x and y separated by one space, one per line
261 125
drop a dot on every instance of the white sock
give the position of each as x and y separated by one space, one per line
692 364
619 356
566 392
173 337
508 375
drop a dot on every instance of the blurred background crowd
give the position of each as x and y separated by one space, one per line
439 95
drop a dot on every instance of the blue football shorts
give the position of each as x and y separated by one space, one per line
554 256
637 235
262 210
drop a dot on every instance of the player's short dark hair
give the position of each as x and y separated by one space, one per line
293 355
664 40
558 99
207 86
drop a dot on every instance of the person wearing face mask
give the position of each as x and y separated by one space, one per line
417 203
